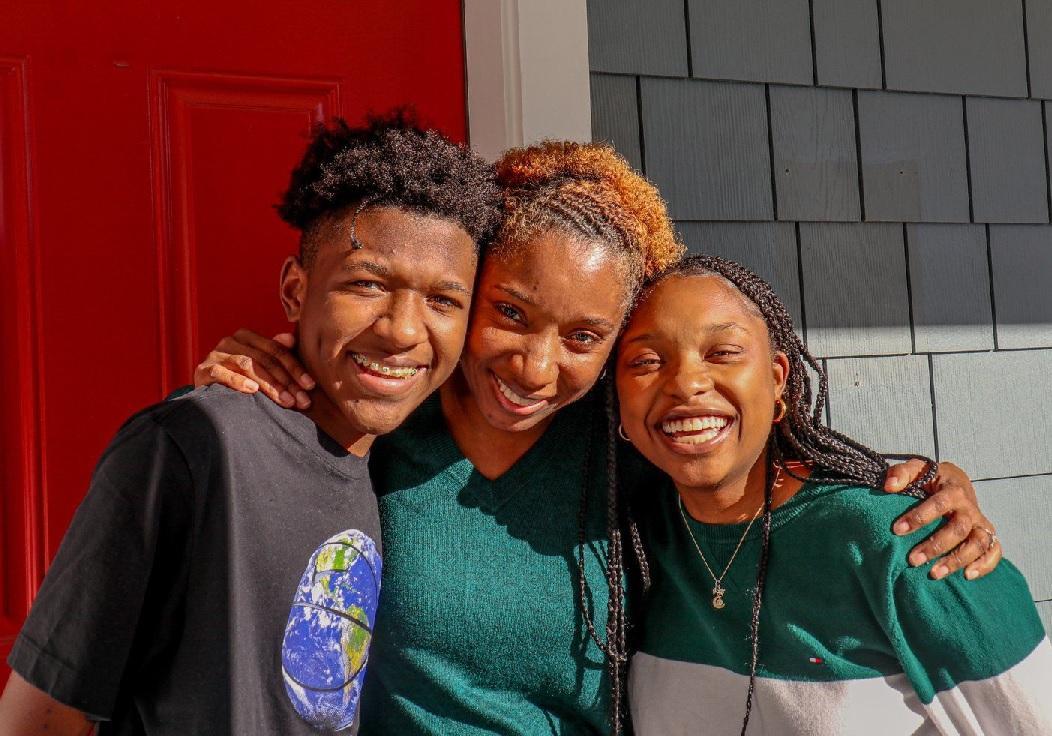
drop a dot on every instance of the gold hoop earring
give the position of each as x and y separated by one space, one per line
621 433
782 410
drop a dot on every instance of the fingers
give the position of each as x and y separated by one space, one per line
900 475
950 499
286 339
968 551
217 373
990 559
272 386
286 363
947 537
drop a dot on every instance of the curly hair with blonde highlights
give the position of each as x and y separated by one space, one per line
589 191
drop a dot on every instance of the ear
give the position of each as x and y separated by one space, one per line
780 370
293 288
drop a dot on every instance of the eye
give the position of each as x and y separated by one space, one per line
362 285
444 303
509 312
585 338
646 361
724 352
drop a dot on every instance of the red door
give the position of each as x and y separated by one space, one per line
142 145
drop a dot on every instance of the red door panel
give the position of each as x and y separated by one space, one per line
142 147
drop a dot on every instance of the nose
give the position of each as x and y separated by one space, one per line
402 327
692 377
540 361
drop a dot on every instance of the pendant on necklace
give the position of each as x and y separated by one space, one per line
717 597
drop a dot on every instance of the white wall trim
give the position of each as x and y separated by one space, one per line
527 72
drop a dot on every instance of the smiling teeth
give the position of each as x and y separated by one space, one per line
513 397
383 370
695 424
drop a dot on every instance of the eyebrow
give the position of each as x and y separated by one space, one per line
517 294
376 269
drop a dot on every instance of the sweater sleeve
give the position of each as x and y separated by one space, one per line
975 651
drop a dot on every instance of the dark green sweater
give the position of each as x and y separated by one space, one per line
479 630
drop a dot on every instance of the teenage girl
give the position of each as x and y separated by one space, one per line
778 602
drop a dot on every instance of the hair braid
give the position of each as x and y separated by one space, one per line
615 647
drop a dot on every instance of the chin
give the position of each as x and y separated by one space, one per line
377 420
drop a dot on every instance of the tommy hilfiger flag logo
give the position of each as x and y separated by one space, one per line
816 660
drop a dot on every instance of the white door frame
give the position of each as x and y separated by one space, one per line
527 73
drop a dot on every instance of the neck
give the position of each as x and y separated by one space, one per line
737 500
491 450
332 421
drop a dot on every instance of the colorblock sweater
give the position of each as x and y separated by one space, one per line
478 629
852 639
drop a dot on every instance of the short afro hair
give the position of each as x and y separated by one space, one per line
391 161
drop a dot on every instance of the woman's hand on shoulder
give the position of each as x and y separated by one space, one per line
248 362
967 539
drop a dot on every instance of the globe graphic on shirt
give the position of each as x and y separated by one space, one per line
326 644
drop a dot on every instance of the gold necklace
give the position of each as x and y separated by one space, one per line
718 590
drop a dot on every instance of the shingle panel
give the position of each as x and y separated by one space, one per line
1021 260
768 248
913 157
1039 32
950 288
884 403
1021 509
855 289
753 40
706 148
1006 152
815 164
637 37
955 46
615 114
847 43
994 411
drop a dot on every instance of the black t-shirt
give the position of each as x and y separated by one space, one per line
220 577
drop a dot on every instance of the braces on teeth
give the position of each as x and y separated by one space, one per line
383 369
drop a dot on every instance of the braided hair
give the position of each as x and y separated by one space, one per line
800 435
589 192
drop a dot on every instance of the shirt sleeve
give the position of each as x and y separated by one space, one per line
975 651
117 567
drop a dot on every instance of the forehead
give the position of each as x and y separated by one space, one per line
563 272
684 306
404 242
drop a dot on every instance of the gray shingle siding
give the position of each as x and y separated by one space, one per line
707 148
878 163
847 43
959 46
914 161
757 40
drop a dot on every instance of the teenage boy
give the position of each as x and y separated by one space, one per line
222 573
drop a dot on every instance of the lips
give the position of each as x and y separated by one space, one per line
515 402
387 378
694 434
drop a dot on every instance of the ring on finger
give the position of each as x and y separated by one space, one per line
993 537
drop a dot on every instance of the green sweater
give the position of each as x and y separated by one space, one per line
852 639
478 629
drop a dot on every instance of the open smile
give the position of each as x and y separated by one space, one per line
386 377
695 435
514 402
